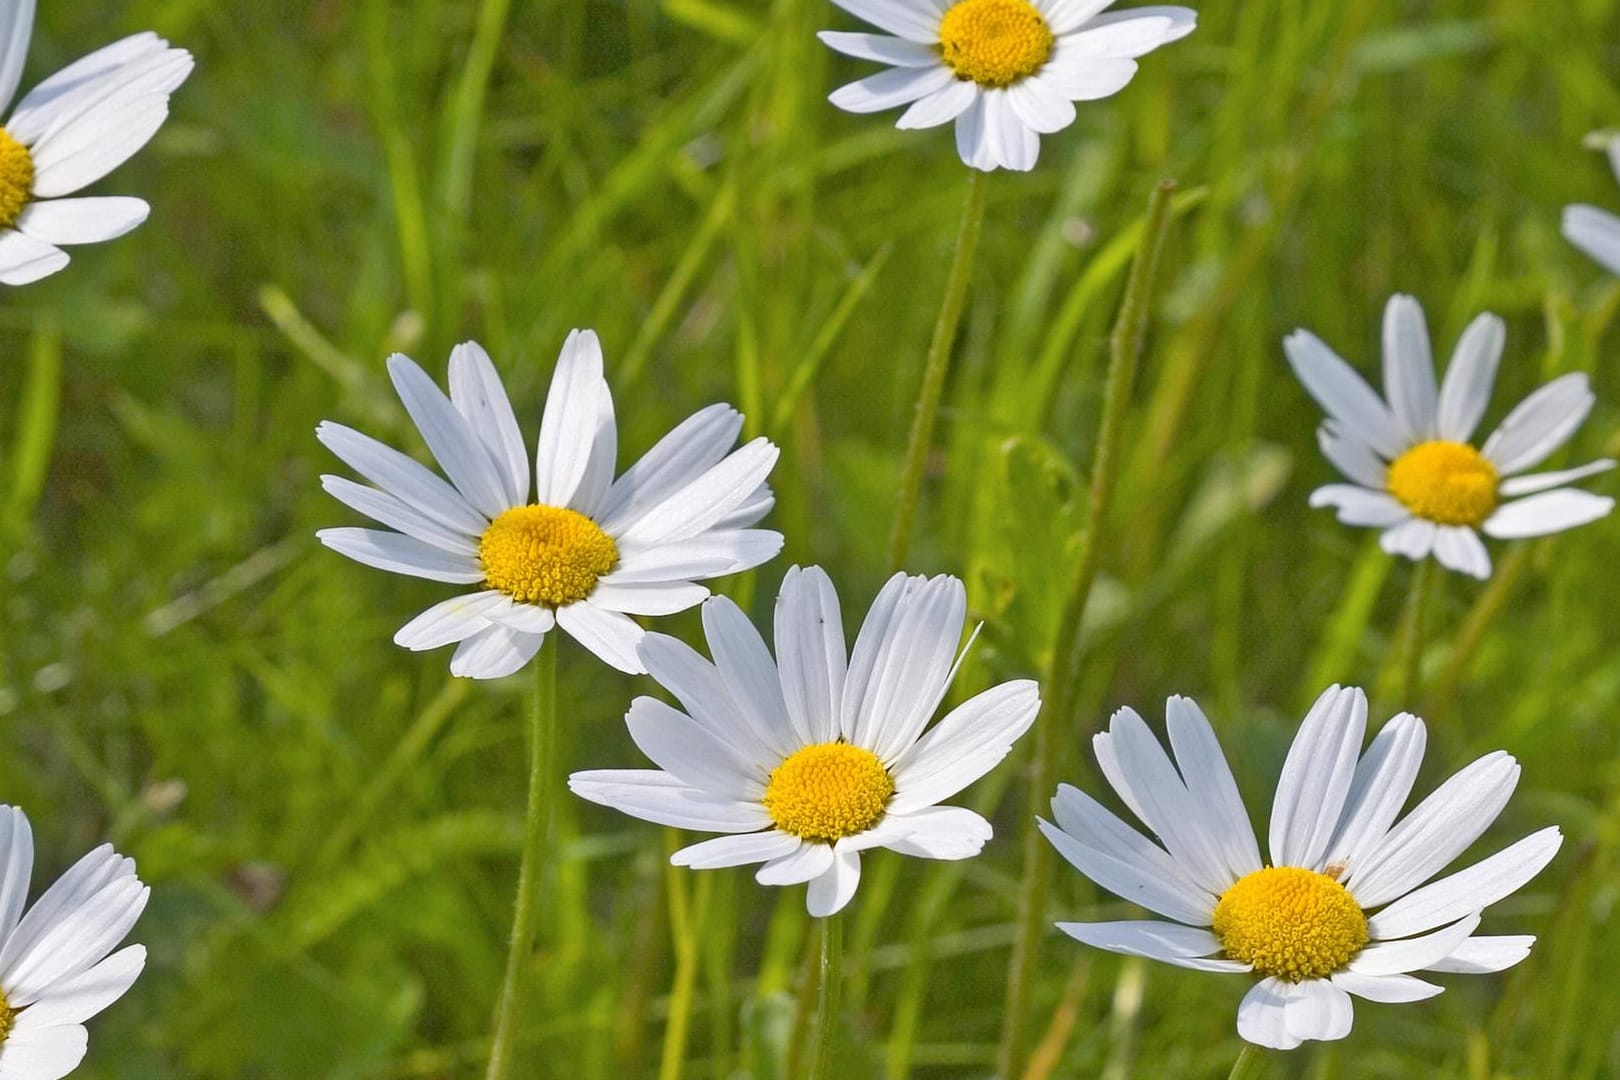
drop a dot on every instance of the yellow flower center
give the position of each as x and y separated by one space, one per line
16 179
1290 922
8 1017
828 791
994 42
545 555
1446 482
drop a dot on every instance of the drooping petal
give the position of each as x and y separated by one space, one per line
611 635
940 107
1318 1010
1413 538
1459 548
835 887
494 652
1262 1016
24 259
808 862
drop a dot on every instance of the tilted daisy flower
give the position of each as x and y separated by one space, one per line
1007 71
577 549
1342 908
54 969
1415 473
809 759
68 132
1595 231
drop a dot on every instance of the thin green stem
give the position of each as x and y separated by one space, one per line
1254 1063
687 916
536 825
1060 680
831 978
1413 624
934 371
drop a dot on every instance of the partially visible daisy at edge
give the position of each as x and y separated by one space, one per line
576 548
811 758
1342 906
1007 71
55 971
68 132
1596 231
1415 473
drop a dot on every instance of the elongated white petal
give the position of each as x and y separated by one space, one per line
648 598
16 31
706 499
1318 1010
1389 989
139 65
1361 506
887 89
82 221
697 684
407 480
807 862
450 621
1153 939
835 887
1014 143
749 673
1413 538
691 448
1136 34
810 653
477 393
1128 882
75 1000
1316 778
1182 21
912 21
402 555
1262 1017
1409 369
972 141
1540 424
693 753
1459 548
972 739
708 555
568 429
1352 457
902 656
1483 955
742 850
1093 825
656 796
897 52
1547 512
1529 484
1080 76
1343 394
1596 232
933 832
391 510
16 867
37 1052
455 446
80 935
1210 783
1042 108
84 150
1478 887
611 635
25 259
525 618
1413 954
1466 391
1383 779
494 652
940 107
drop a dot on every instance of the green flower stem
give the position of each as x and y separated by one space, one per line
536 824
1059 681
1413 622
832 973
687 916
1254 1063
934 370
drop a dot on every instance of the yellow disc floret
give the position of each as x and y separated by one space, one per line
828 791
16 179
545 555
1450 483
1290 922
8 1017
994 43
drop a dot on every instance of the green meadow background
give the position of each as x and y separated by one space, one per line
330 825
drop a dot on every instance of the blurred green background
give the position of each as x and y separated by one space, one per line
330 825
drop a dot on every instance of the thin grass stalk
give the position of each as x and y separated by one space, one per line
1252 1064
1062 675
1414 622
935 369
536 824
688 915
831 978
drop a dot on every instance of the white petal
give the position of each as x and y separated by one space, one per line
1389 989
78 937
1531 483
1261 1015
972 140
940 107
402 555
1080 76
701 504
1413 538
450 621
808 862
749 511
1210 783
934 832
494 652
1459 548
896 52
697 684
1596 232
477 393
650 598
16 866
1152 939
1540 424
1483 955
1066 16
525 618
597 479
1382 782
43 1053
972 739
458 450
692 752
913 21
1466 390
1165 896
82 881
1318 1010
708 555
82 221
1352 457
656 796
612 636
1361 506
407 480
749 673
810 653
1132 33
24 260
1409 369
1038 104
1012 142
1093 825
1469 890
1316 778
1413 954
75 1000
886 89
16 31
89 147
691 448
742 850
1343 394
394 512
1548 512
836 886
901 661
139 65
568 429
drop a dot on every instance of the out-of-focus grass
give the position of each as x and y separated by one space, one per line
330 824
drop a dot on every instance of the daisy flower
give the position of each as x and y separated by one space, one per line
1342 908
1594 231
54 969
1007 71
68 132
1415 473
809 759
577 549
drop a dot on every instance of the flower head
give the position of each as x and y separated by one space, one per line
1007 71
68 132
1595 231
1416 473
54 969
1342 908
813 757
577 549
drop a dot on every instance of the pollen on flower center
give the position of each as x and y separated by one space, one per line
1446 482
828 791
994 43
8 1017
545 555
16 179
1290 922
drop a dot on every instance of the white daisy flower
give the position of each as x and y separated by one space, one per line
808 759
1594 231
54 969
578 549
1007 71
1342 907
1416 474
68 132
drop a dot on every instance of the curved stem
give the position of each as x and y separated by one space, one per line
1251 1064
832 963
536 824
1063 672
934 369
